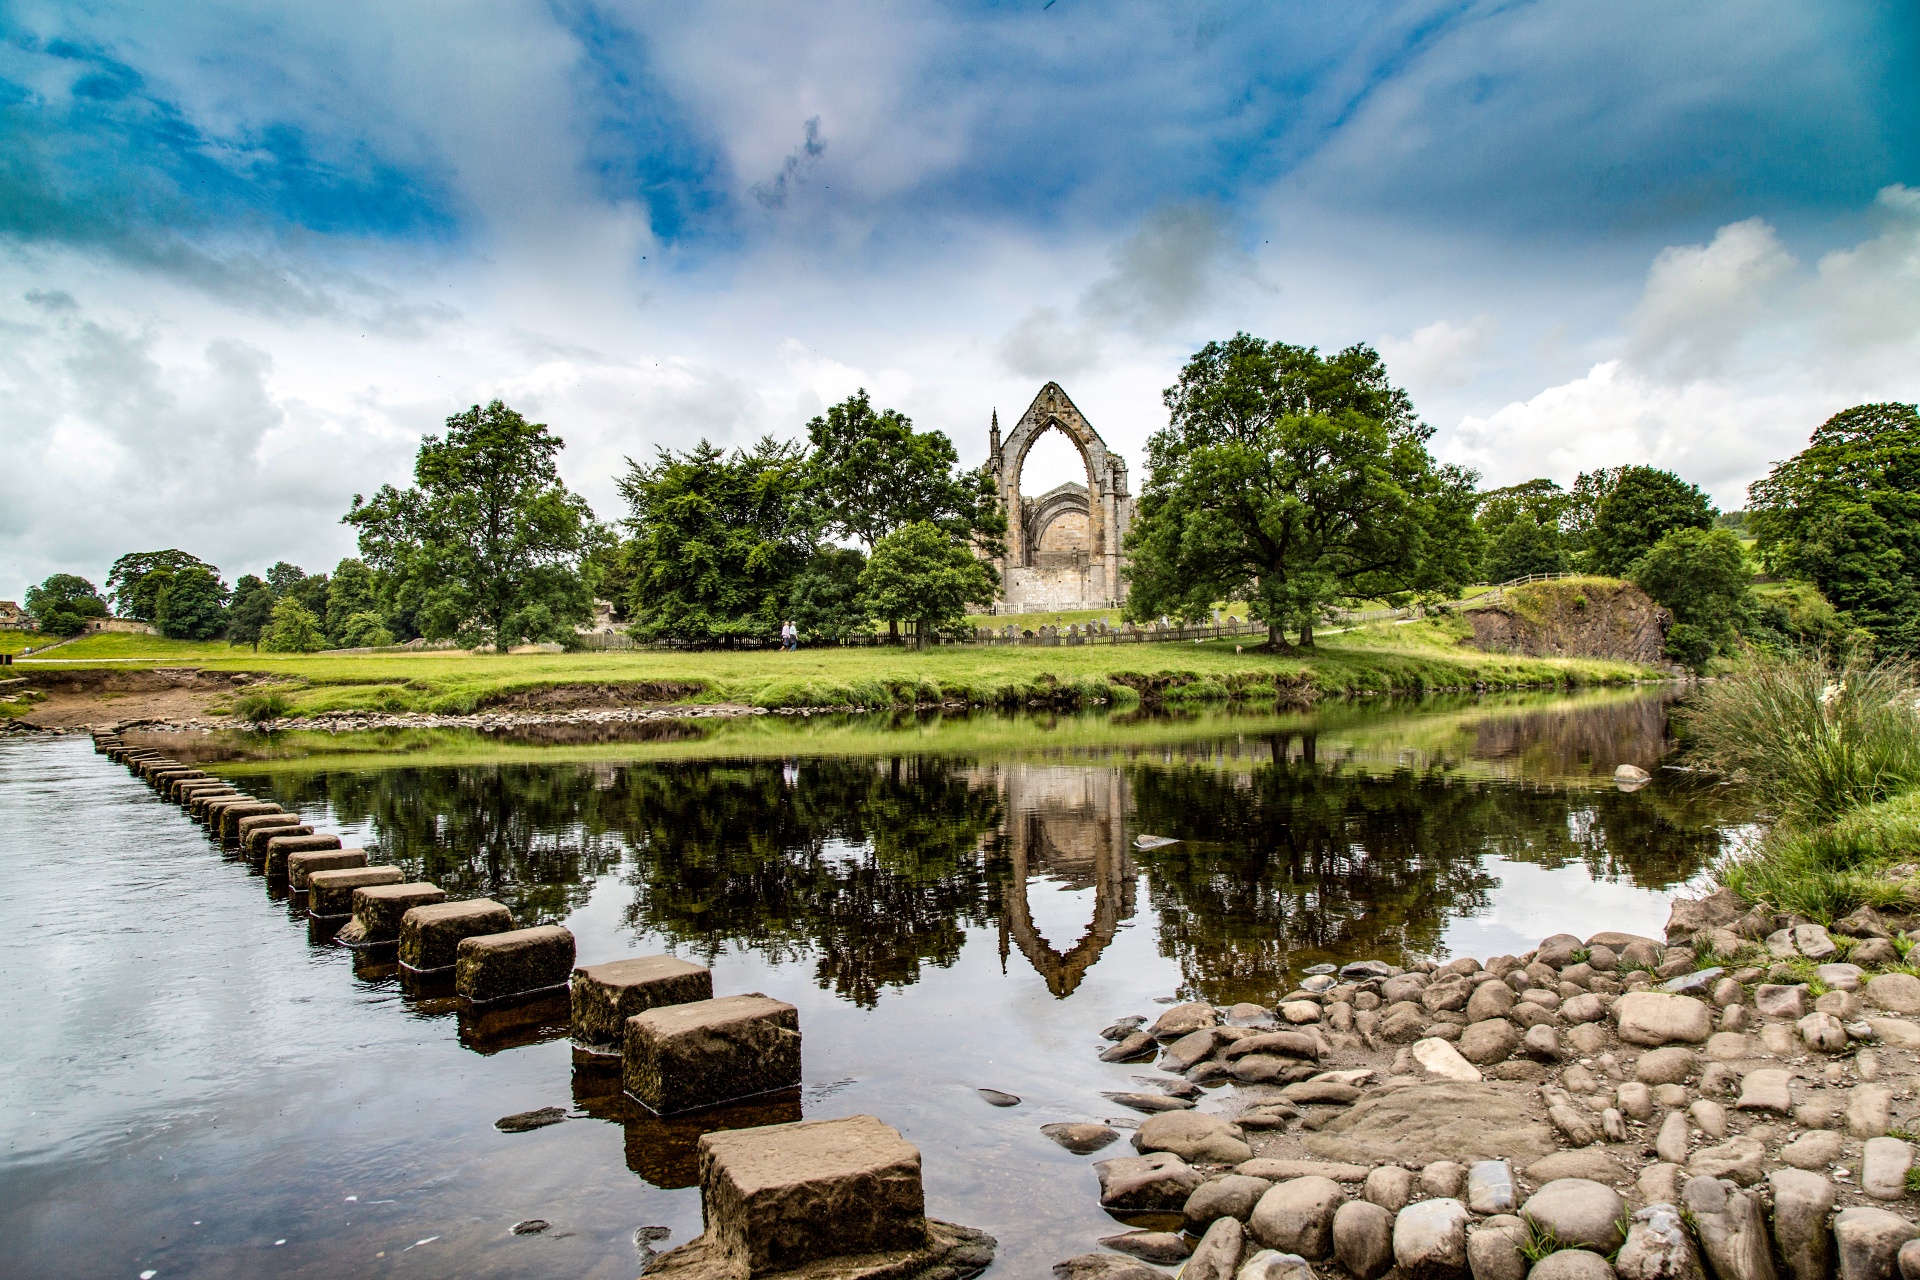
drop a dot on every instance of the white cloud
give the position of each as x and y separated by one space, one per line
1439 354
1700 301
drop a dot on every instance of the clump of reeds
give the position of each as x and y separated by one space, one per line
1818 737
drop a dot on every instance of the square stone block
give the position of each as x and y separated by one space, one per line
300 866
186 789
498 965
254 822
277 849
606 995
208 805
788 1194
171 785
681 1057
254 843
330 893
377 909
230 815
430 934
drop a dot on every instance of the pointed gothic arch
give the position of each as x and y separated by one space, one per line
1029 579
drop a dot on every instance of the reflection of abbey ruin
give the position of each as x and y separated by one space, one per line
1068 826
1063 547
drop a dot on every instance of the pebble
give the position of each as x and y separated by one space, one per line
1766 1089
1814 1150
1493 1250
1389 1186
1737 1158
1869 1110
1665 1066
1883 1168
1081 1139
1164 1247
1709 1117
1635 1099
1775 1001
1674 1137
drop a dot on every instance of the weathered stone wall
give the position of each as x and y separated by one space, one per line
1574 618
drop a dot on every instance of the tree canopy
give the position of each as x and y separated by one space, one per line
63 603
1641 506
1293 480
717 539
251 611
1702 577
190 603
128 585
488 542
919 572
870 473
1844 513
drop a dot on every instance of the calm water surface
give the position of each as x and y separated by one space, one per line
192 1085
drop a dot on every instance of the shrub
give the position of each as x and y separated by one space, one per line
295 629
262 706
1818 736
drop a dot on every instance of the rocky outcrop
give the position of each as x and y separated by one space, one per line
1573 618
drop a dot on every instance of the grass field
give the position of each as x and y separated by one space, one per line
1411 658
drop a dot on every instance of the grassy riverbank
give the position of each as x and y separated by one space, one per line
1420 657
1835 750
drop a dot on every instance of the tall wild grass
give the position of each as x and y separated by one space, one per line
1833 745
1818 737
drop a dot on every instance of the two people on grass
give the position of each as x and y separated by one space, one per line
789 635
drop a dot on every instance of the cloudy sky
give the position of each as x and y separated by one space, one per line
251 252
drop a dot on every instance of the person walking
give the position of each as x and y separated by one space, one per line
789 635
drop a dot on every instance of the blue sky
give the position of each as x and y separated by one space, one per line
250 253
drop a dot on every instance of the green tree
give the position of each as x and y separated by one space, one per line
294 629
1522 527
1844 514
251 611
825 600
1292 481
68 595
133 589
488 543
1702 577
190 603
717 540
363 630
919 572
1642 506
351 592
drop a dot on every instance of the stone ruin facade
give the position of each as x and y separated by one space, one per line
1064 547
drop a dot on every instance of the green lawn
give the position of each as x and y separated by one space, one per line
1416 657
128 644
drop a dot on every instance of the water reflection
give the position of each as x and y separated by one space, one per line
1296 845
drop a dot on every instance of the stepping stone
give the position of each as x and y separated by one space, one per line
606 995
498 966
254 843
431 934
378 909
248 825
302 866
685 1056
279 848
330 893
229 825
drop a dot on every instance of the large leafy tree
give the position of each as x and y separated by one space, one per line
1293 480
251 611
1702 577
1523 525
190 604
488 542
63 603
1641 506
1844 514
135 592
717 540
825 600
919 572
351 593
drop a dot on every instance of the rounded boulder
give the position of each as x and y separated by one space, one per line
1572 1264
1296 1216
1579 1212
1194 1136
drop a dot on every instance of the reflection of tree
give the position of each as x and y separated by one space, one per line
1292 864
530 836
873 866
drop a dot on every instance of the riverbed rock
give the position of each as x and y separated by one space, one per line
1801 1203
1654 1018
1144 1184
1286 1170
1815 1150
1217 1256
1151 1103
1665 1066
1271 1264
1574 1125
1659 1183
1731 1231
1083 1139
1297 1217
1737 1158
1908 1260
1194 1136
1285 1044
1403 1023
1883 1168
1363 1239
1184 1019
1438 1058
1673 1139
1493 1249
1104 1266
1869 1110
1167 1248
1490 1187
1542 1042
1578 1212
1233 1196
1688 916
1896 1033
1442 1178
1868 1242
1658 1247
1490 1000
1389 1186
1430 1240
1709 1117
1319 1092
1137 1044
1419 1123
1823 1031
1766 1089
1194 1047
1895 992
1583 1008
1571 1264
1490 1041
1811 941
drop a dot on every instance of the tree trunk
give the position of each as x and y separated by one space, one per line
1276 637
920 634
893 631
1306 632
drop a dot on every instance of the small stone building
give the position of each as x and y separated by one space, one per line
1064 548
12 615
